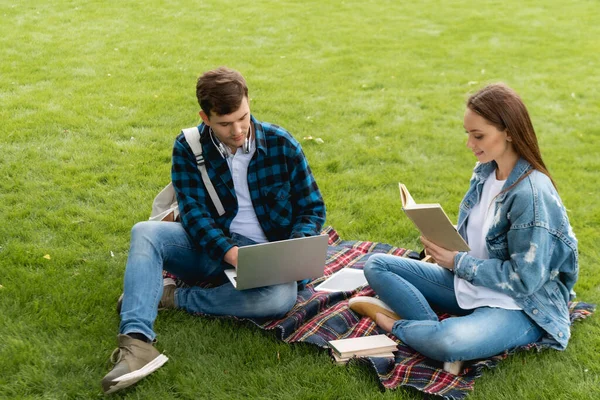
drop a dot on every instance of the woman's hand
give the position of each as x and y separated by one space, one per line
444 258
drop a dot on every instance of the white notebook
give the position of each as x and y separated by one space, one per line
345 280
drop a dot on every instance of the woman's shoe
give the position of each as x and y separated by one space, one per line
370 306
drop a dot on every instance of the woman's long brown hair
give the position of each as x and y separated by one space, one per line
503 108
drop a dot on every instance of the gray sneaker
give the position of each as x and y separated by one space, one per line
134 359
168 296
166 301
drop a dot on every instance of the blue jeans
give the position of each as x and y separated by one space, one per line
166 245
411 288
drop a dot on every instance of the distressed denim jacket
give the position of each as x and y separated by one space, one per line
532 248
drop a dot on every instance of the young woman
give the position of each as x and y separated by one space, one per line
514 285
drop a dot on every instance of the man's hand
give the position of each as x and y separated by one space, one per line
231 257
444 258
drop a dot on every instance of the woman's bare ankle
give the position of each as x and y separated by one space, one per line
384 322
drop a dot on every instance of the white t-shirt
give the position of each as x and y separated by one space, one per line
245 222
470 296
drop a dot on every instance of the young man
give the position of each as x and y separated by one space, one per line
268 193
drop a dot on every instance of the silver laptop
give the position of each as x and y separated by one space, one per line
272 263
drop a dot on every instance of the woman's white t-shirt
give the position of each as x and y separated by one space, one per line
470 296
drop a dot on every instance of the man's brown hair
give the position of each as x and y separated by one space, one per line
221 91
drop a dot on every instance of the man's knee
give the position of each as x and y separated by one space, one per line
143 229
155 232
280 299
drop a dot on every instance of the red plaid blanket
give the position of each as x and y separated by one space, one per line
319 317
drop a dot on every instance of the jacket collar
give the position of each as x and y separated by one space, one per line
482 171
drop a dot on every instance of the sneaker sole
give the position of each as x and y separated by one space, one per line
129 379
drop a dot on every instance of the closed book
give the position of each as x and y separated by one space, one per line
344 360
363 346
432 222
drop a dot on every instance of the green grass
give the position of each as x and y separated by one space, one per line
93 93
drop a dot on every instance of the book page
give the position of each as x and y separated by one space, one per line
434 224
405 196
344 360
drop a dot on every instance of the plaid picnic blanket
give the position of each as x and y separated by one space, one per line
319 317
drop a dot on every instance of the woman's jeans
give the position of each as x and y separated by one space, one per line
411 288
166 245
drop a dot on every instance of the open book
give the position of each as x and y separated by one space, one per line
433 222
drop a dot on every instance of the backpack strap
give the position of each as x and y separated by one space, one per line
192 136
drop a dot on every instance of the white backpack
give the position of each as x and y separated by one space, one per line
164 206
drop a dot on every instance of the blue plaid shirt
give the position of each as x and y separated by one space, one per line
285 195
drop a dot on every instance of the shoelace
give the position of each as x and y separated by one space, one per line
116 352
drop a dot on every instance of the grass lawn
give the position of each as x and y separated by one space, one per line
93 93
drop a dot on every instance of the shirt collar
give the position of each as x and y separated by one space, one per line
259 134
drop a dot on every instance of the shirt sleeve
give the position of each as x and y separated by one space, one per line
309 207
193 201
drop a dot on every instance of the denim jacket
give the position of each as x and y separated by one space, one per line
532 248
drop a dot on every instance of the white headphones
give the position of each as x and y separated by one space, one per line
223 151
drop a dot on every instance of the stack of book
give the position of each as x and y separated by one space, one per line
365 346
